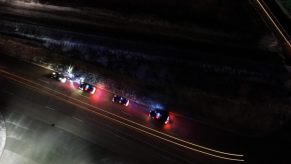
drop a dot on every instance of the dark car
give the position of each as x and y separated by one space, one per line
160 115
87 88
58 76
120 100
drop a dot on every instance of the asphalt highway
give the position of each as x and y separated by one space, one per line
42 128
278 21
51 122
32 87
29 98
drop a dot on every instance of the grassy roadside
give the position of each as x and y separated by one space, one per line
286 4
235 114
236 29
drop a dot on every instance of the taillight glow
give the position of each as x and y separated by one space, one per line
127 103
167 121
93 91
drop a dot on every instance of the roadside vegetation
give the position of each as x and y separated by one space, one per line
232 76
287 5
248 102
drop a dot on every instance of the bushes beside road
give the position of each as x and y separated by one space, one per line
242 101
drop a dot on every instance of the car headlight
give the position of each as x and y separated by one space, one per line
63 80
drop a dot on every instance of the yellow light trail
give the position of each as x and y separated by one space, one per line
123 123
273 22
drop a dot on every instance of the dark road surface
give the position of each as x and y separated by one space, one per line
50 122
32 112
181 127
42 129
279 15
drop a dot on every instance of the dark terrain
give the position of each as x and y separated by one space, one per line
215 63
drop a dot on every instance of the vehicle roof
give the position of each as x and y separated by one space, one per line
118 96
163 112
84 83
